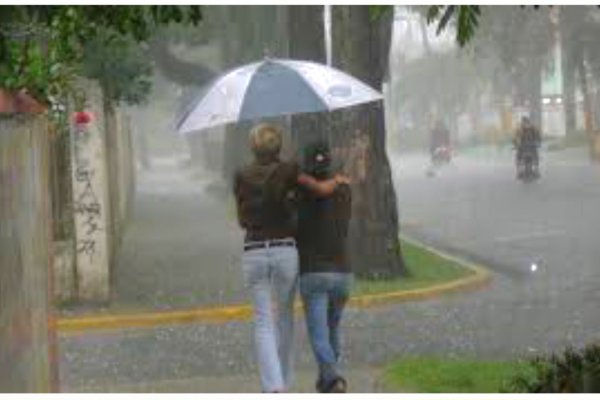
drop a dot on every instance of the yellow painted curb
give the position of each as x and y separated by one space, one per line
479 278
151 319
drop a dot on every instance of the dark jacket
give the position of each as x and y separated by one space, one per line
528 137
265 196
322 231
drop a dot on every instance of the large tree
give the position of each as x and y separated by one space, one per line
361 47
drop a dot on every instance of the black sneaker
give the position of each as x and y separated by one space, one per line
320 386
339 386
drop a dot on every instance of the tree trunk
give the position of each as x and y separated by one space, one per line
534 92
568 73
307 42
587 106
248 33
587 103
424 37
361 48
235 36
176 70
596 108
568 66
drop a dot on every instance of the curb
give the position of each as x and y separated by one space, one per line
66 325
478 279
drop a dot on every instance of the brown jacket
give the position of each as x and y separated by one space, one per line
265 199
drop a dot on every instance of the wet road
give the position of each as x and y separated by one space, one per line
478 207
474 207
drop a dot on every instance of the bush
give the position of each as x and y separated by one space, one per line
573 371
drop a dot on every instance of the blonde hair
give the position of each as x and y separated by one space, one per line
265 140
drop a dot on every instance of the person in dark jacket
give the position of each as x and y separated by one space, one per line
325 277
440 137
527 140
266 206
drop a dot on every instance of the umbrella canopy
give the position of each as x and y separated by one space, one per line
274 87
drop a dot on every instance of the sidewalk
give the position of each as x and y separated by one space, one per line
204 358
359 381
181 247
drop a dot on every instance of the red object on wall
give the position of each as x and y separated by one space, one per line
82 117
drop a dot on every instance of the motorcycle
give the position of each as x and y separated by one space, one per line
527 165
442 155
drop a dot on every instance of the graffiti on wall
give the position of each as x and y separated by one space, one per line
86 204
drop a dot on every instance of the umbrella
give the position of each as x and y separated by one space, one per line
273 87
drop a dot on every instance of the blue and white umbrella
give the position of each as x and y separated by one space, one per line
274 87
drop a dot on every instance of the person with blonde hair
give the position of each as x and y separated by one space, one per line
265 199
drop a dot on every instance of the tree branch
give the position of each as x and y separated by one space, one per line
177 70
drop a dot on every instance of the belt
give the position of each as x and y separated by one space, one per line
269 243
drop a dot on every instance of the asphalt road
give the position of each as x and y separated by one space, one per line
475 208
543 234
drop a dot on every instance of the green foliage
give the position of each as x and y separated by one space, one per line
512 44
424 269
42 47
31 61
438 82
121 65
466 20
376 12
449 375
573 371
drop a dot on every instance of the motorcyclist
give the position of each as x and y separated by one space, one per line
527 140
440 139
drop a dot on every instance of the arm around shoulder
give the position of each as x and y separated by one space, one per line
322 188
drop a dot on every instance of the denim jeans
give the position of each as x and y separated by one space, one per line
324 295
271 275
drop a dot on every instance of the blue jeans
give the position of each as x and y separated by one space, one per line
271 275
324 295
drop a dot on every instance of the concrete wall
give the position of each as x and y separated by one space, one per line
27 343
103 177
91 202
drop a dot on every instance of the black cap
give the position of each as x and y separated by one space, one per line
317 158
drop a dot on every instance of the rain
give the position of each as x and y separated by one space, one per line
472 156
